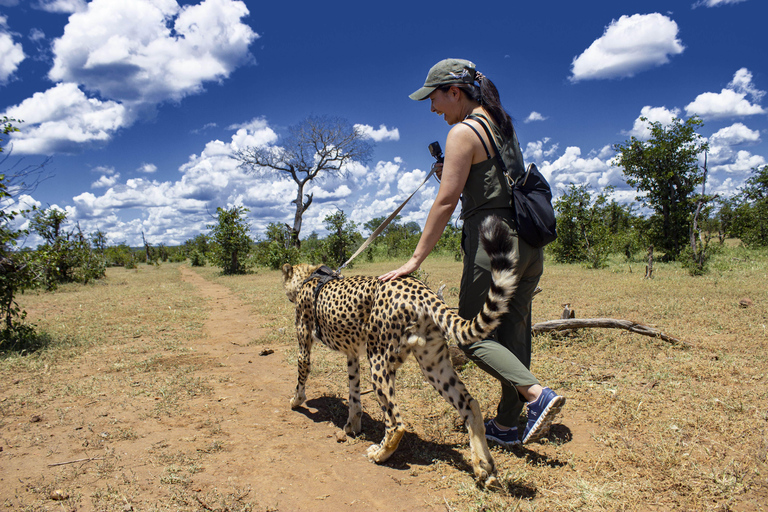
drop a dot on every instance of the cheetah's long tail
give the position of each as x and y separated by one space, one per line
497 242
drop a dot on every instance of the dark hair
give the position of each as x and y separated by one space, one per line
487 95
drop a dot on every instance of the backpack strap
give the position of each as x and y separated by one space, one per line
479 137
480 118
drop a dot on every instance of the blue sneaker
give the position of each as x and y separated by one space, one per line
541 412
505 438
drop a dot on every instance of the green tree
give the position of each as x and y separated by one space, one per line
277 249
64 256
231 241
342 239
747 213
119 255
314 148
665 170
450 242
15 276
583 227
196 250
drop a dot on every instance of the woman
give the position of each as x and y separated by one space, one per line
471 171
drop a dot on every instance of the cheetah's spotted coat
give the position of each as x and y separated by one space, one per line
390 320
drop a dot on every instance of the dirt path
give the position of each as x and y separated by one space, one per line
206 425
290 459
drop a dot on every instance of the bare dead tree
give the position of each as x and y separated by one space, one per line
700 244
147 248
316 147
649 267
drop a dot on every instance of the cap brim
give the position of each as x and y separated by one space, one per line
422 93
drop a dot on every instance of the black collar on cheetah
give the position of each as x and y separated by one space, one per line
324 274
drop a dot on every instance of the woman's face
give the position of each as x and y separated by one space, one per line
446 103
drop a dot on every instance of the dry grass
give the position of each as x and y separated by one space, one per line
119 364
648 425
657 426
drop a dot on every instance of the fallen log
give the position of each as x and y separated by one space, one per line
609 323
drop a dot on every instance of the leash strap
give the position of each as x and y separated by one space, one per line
386 222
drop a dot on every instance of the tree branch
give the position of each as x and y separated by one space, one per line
610 323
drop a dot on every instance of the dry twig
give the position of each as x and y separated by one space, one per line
87 459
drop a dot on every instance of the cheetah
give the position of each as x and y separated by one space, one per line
387 321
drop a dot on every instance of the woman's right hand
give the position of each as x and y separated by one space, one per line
410 266
438 168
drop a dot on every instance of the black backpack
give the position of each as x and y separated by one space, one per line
531 200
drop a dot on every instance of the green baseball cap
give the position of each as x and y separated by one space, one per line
446 72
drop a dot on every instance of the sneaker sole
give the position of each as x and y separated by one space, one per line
541 427
504 444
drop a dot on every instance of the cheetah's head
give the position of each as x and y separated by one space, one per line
294 276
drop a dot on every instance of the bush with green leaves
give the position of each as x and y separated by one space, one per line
342 240
15 273
397 240
746 215
231 243
583 235
64 256
119 255
277 248
450 242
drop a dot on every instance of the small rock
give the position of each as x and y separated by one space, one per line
746 302
341 436
36 419
266 352
59 495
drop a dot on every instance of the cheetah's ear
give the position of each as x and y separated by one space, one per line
287 271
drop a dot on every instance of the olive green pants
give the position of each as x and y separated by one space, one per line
507 355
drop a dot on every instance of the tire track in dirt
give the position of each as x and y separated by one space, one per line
289 459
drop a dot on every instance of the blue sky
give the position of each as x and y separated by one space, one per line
141 103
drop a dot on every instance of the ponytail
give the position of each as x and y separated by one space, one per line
487 96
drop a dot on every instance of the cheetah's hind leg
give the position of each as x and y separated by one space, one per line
353 425
383 380
436 366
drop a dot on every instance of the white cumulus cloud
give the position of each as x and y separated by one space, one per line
61 6
147 168
63 118
537 151
150 51
735 135
641 129
732 101
106 181
135 54
629 45
11 52
742 163
378 134
535 116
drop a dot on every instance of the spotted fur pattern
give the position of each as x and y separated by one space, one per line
388 321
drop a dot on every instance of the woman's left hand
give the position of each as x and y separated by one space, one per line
410 267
